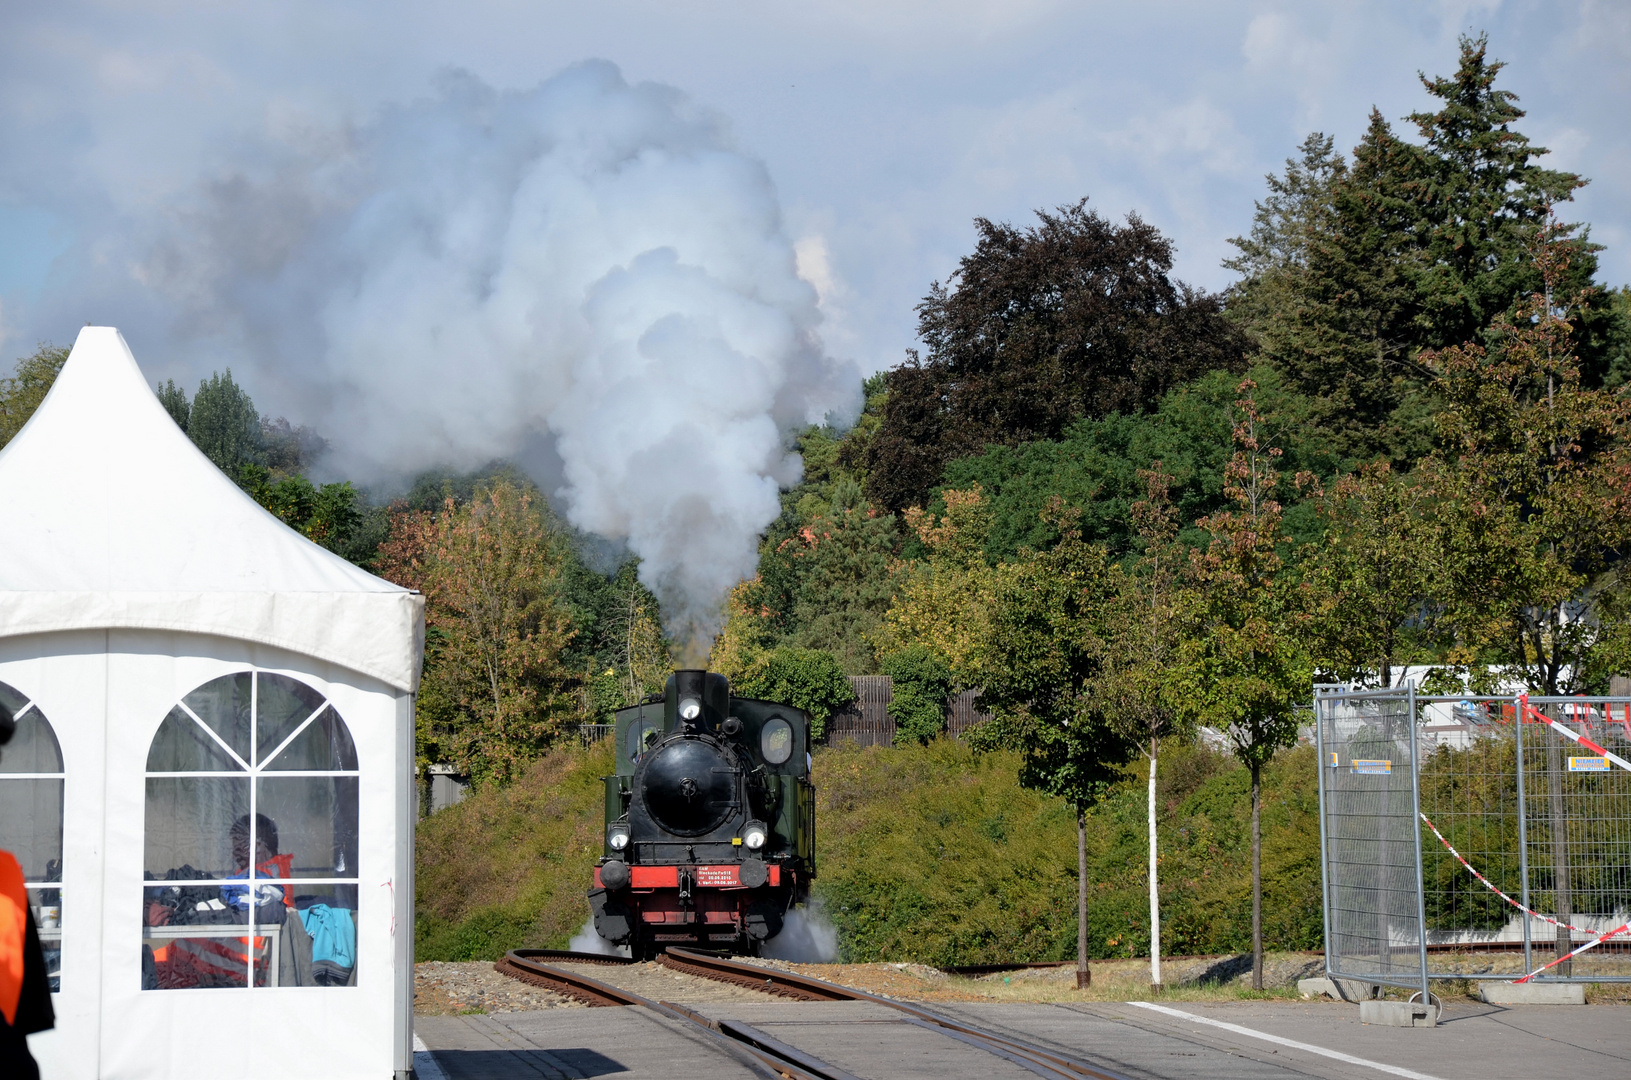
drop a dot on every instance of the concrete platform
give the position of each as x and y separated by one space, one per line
1278 1040
1532 993
570 1043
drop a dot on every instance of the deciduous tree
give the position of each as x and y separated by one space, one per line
27 386
1076 316
328 514
1371 579
1245 671
223 424
807 679
944 602
494 690
634 631
920 686
1533 494
174 400
1043 662
1154 607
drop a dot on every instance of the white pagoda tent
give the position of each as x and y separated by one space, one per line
211 788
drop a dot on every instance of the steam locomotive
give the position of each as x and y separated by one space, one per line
710 821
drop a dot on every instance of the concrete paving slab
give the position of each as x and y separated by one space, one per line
573 1044
870 1041
1118 1043
1471 1040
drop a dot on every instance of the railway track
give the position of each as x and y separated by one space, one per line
773 1057
532 966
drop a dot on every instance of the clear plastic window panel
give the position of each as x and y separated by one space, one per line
31 804
47 907
259 867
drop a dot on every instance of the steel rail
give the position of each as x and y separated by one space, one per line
1035 1058
772 1058
564 956
523 965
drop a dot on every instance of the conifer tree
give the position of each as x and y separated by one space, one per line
1353 268
1532 494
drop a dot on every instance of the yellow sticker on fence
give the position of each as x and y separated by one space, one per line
1588 764
1364 765
1333 759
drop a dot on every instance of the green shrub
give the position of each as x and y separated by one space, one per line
930 853
934 853
808 679
509 867
921 684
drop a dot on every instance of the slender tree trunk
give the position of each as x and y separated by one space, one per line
1155 892
1257 878
1084 976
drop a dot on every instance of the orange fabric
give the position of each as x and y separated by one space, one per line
13 935
189 962
279 866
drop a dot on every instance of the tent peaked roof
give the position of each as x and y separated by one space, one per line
111 517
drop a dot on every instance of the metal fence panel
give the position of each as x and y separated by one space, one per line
1473 842
1523 843
1370 840
1577 803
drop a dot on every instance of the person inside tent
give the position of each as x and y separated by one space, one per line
268 863
218 960
25 992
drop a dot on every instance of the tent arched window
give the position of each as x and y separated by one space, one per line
31 781
250 839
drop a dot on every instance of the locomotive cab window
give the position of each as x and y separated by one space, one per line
776 740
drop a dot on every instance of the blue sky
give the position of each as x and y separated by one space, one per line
885 128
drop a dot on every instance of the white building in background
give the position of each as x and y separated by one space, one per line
211 790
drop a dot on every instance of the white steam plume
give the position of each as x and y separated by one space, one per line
588 261
588 940
807 937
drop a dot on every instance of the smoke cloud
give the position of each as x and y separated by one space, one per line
588 262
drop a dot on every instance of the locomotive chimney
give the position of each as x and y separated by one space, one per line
697 700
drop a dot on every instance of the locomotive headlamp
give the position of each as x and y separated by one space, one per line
617 837
690 708
754 835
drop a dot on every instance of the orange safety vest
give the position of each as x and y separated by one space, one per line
13 935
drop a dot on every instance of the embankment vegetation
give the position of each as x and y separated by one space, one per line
927 853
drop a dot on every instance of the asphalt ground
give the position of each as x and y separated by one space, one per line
1317 1039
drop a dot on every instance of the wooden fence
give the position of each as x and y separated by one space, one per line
867 721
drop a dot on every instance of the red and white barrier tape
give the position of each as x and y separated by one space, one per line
1592 944
1490 885
1534 715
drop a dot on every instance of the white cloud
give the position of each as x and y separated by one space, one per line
885 128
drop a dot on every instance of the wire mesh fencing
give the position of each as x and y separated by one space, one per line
1370 843
1523 815
1577 813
